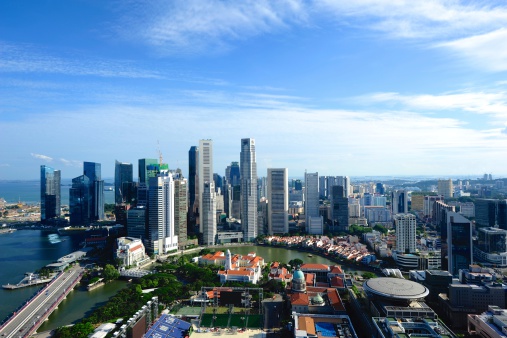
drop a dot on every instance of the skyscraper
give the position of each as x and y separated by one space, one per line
123 182
193 185
49 193
339 208
208 214
405 233
445 188
248 178
180 209
399 202
314 222
205 174
278 201
92 170
144 175
456 237
148 168
162 236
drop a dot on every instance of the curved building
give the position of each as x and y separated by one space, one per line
395 289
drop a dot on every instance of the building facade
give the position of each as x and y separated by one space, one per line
248 179
50 192
405 233
123 182
208 214
278 201
205 173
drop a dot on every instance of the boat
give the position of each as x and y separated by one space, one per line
310 255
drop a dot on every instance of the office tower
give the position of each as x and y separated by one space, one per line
278 201
248 169
312 216
491 213
193 188
180 209
92 170
399 202
148 168
232 199
144 174
123 181
323 187
50 187
205 172
262 187
207 214
405 233
80 200
339 209
136 223
379 201
380 189
262 216
233 173
162 236
445 188
429 203
456 237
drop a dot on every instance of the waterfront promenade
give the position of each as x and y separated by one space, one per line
30 316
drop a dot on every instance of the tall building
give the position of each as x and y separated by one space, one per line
405 233
232 203
312 215
399 202
193 188
278 201
136 223
208 214
456 237
144 174
380 189
148 168
92 170
123 182
339 209
50 188
180 209
248 179
491 213
323 187
205 173
86 196
445 188
162 236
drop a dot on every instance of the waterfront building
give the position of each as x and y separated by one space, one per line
205 174
399 202
130 251
445 188
50 192
456 237
340 209
193 188
278 201
92 170
239 269
405 233
207 214
86 196
123 182
422 260
136 223
248 179
162 236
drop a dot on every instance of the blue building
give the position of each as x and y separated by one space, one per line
50 188
86 196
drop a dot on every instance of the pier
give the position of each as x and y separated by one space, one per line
26 320
30 279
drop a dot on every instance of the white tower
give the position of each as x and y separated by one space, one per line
405 233
248 178
208 214
228 262
205 172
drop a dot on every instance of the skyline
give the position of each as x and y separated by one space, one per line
369 88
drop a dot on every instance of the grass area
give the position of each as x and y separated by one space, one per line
189 311
219 310
254 321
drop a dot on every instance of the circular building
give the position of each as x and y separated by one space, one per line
394 289
298 281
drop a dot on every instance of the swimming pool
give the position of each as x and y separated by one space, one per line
326 329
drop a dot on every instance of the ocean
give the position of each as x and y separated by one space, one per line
28 191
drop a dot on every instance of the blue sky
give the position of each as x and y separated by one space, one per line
352 88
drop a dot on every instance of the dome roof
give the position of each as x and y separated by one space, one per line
318 299
298 274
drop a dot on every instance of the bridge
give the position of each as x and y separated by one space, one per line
26 320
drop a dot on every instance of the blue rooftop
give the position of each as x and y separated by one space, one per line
167 326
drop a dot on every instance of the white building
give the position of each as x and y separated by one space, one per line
162 236
248 179
205 169
492 323
278 201
207 214
130 251
405 233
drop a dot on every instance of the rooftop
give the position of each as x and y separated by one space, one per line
395 288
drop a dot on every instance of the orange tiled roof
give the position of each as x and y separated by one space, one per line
299 299
336 269
310 266
334 299
337 281
135 248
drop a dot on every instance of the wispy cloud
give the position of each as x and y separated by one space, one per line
27 59
42 157
71 163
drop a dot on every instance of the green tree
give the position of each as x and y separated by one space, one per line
295 262
110 273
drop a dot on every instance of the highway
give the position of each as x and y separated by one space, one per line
27 320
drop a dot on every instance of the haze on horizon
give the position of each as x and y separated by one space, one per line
362 88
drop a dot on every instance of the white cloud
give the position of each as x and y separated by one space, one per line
42 157
71 163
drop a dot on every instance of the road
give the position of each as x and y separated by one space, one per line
27 319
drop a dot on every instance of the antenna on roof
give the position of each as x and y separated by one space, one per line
160 159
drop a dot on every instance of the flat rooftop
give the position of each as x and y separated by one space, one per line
395 288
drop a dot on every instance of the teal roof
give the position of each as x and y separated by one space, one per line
298 274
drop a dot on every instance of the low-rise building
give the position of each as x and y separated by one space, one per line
390 327
318 325
130 251
491 324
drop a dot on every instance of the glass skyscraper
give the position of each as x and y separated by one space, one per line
50 187
86 195
248 179
123 182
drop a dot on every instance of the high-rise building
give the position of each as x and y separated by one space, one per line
232 203
180 209
339 209
429 204
456 237
92 170
144 174
248 179
148 168
323 187
278 201
445 188
405 233
50 188
162 236
491 213
86 196
193 188
312 215
399 202
123 182
208 214
136 223
205 172
380 189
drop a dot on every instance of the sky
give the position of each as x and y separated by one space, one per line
357 88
